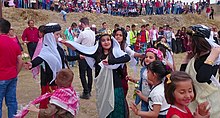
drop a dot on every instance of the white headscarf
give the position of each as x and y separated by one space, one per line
50 54
117 52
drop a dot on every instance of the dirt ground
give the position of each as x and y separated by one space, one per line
28 89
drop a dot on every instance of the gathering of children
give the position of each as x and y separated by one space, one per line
162 91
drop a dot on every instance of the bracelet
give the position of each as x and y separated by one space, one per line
209 62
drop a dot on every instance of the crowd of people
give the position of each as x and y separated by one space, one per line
115 8
163 90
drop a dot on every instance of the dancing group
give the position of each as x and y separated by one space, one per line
163 92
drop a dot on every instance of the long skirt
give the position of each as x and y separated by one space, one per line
119 106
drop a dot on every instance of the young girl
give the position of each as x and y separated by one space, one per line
150 56
64 102
158 106
179 92
167 52
120 35
108 58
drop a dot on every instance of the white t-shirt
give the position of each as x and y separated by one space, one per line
145 86
157 97
129 51
154 35
128 38
86 37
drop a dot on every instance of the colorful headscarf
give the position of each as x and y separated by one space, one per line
158 53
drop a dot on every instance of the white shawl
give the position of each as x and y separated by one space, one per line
50 54
104 81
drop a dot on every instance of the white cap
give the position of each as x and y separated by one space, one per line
93 25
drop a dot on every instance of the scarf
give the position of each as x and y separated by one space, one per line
65 98
50 54
36 70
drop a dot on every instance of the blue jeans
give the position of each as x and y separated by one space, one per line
64 17
71 53
8 91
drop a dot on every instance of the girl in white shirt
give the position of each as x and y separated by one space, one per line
158 106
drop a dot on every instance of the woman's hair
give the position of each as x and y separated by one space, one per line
199 45
162 47
170 85
124 34
198 34
100 50
64 78
158 68
41 29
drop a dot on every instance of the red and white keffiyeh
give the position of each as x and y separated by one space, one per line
66 98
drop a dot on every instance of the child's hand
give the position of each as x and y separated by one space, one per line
67 44
33 108
139 93
81 56
27 65
130 79
202 108
134 108
197 115
105 61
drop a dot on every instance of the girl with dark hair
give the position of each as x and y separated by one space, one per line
178 41
185 40
151 55
180 92
158 107
202 64
108 61
120 35
167 53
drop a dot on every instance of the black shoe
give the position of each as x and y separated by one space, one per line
84 96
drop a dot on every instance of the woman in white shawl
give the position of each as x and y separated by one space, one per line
108 61
202 63
51 57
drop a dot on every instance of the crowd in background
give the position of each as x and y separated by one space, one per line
114 7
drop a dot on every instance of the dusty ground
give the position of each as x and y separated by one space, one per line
28 89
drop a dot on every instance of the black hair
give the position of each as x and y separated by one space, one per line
5 26
124 33
100 50
73 24
84 20
133 25
41 28
158 68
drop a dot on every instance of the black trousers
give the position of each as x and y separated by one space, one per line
83 70
31 46
178 45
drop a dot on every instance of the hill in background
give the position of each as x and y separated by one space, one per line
19 17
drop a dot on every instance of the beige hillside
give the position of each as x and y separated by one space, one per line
19 18
28 89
